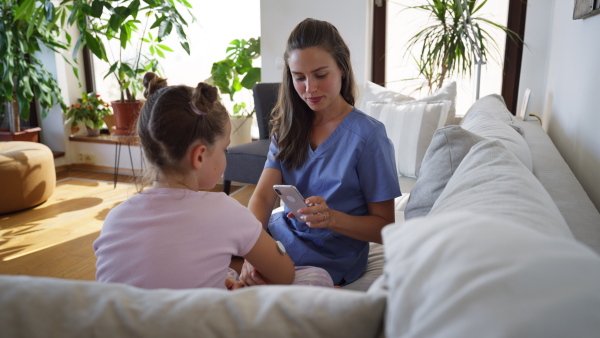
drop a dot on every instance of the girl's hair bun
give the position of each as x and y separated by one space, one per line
152 83
205 96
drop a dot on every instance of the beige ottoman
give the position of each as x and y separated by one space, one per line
27 175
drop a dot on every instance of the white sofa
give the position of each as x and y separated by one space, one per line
506 247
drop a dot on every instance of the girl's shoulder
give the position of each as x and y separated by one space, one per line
165 198
165 201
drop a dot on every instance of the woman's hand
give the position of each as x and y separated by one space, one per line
365 228
249 276
322 216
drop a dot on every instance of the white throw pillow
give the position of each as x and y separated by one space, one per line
446 92
465 274
410 126
375 92
491 180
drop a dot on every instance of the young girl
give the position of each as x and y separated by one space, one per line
173 235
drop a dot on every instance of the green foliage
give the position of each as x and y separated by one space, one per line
25 27
236 71
446 47
89 109
118 19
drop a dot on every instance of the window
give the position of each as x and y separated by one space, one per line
402 73
509 12
218 23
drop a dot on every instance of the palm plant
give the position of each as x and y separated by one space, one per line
454 40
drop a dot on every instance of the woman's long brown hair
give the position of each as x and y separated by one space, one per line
292 118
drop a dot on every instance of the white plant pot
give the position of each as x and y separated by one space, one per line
241 128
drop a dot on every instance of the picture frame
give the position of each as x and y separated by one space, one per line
585 8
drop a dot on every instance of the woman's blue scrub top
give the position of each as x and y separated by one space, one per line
354 166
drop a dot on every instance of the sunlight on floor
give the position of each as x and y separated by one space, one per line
76 209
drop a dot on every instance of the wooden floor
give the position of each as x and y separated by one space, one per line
55 238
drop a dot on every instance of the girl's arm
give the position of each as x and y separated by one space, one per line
274 267
263 199
364 228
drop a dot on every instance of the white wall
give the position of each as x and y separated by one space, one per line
351 17
560 66
55 134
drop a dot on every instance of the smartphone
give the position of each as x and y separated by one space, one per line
291 197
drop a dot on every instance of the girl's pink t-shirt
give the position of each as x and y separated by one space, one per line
174 238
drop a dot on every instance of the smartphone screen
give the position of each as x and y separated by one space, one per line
291 197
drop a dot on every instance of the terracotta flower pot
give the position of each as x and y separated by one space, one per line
26 134
126 114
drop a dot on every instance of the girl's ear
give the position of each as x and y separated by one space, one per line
197 156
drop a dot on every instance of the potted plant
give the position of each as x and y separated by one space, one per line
139 43
234 74
90 109
24 29
454 40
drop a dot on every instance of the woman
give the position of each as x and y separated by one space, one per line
331 152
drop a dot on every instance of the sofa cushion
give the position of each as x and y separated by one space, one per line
410 126
492 181
495 105
465 274
46 307
447 149
484 123
561 184
373 270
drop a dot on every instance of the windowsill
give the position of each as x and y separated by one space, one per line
133 140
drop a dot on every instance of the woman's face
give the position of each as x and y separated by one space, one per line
316 76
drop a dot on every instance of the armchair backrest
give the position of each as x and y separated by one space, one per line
265 98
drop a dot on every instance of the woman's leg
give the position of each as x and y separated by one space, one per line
311 275
305 275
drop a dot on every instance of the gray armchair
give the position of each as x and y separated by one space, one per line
245 162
